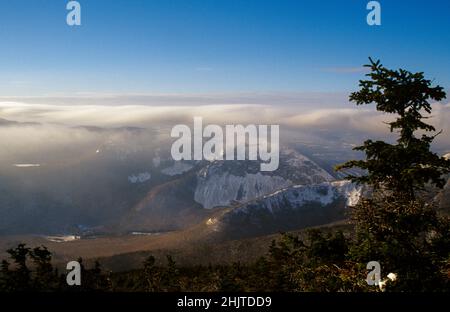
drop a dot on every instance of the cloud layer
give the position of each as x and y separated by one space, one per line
303 111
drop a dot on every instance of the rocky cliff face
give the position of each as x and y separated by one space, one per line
222 183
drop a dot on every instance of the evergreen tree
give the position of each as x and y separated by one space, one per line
407 166
150 280
45 278
394 225
19 278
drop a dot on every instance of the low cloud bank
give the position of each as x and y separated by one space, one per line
310 112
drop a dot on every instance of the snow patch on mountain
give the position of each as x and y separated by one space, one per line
139 178
177 168
306 168
26 165
62 238
351 191
222 189
222 183
293 208
297 196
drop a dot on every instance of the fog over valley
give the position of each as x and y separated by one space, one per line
96 164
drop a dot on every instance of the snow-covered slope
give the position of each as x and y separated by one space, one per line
177 168
351 191
140 177
224 188
221 183
291 208
297 196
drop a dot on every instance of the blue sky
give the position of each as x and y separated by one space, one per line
193 46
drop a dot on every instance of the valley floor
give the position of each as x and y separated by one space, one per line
120 253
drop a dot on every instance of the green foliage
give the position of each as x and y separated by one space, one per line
94 279
45 277
19 278
408 165
395 226
408 238
315 264
32 270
